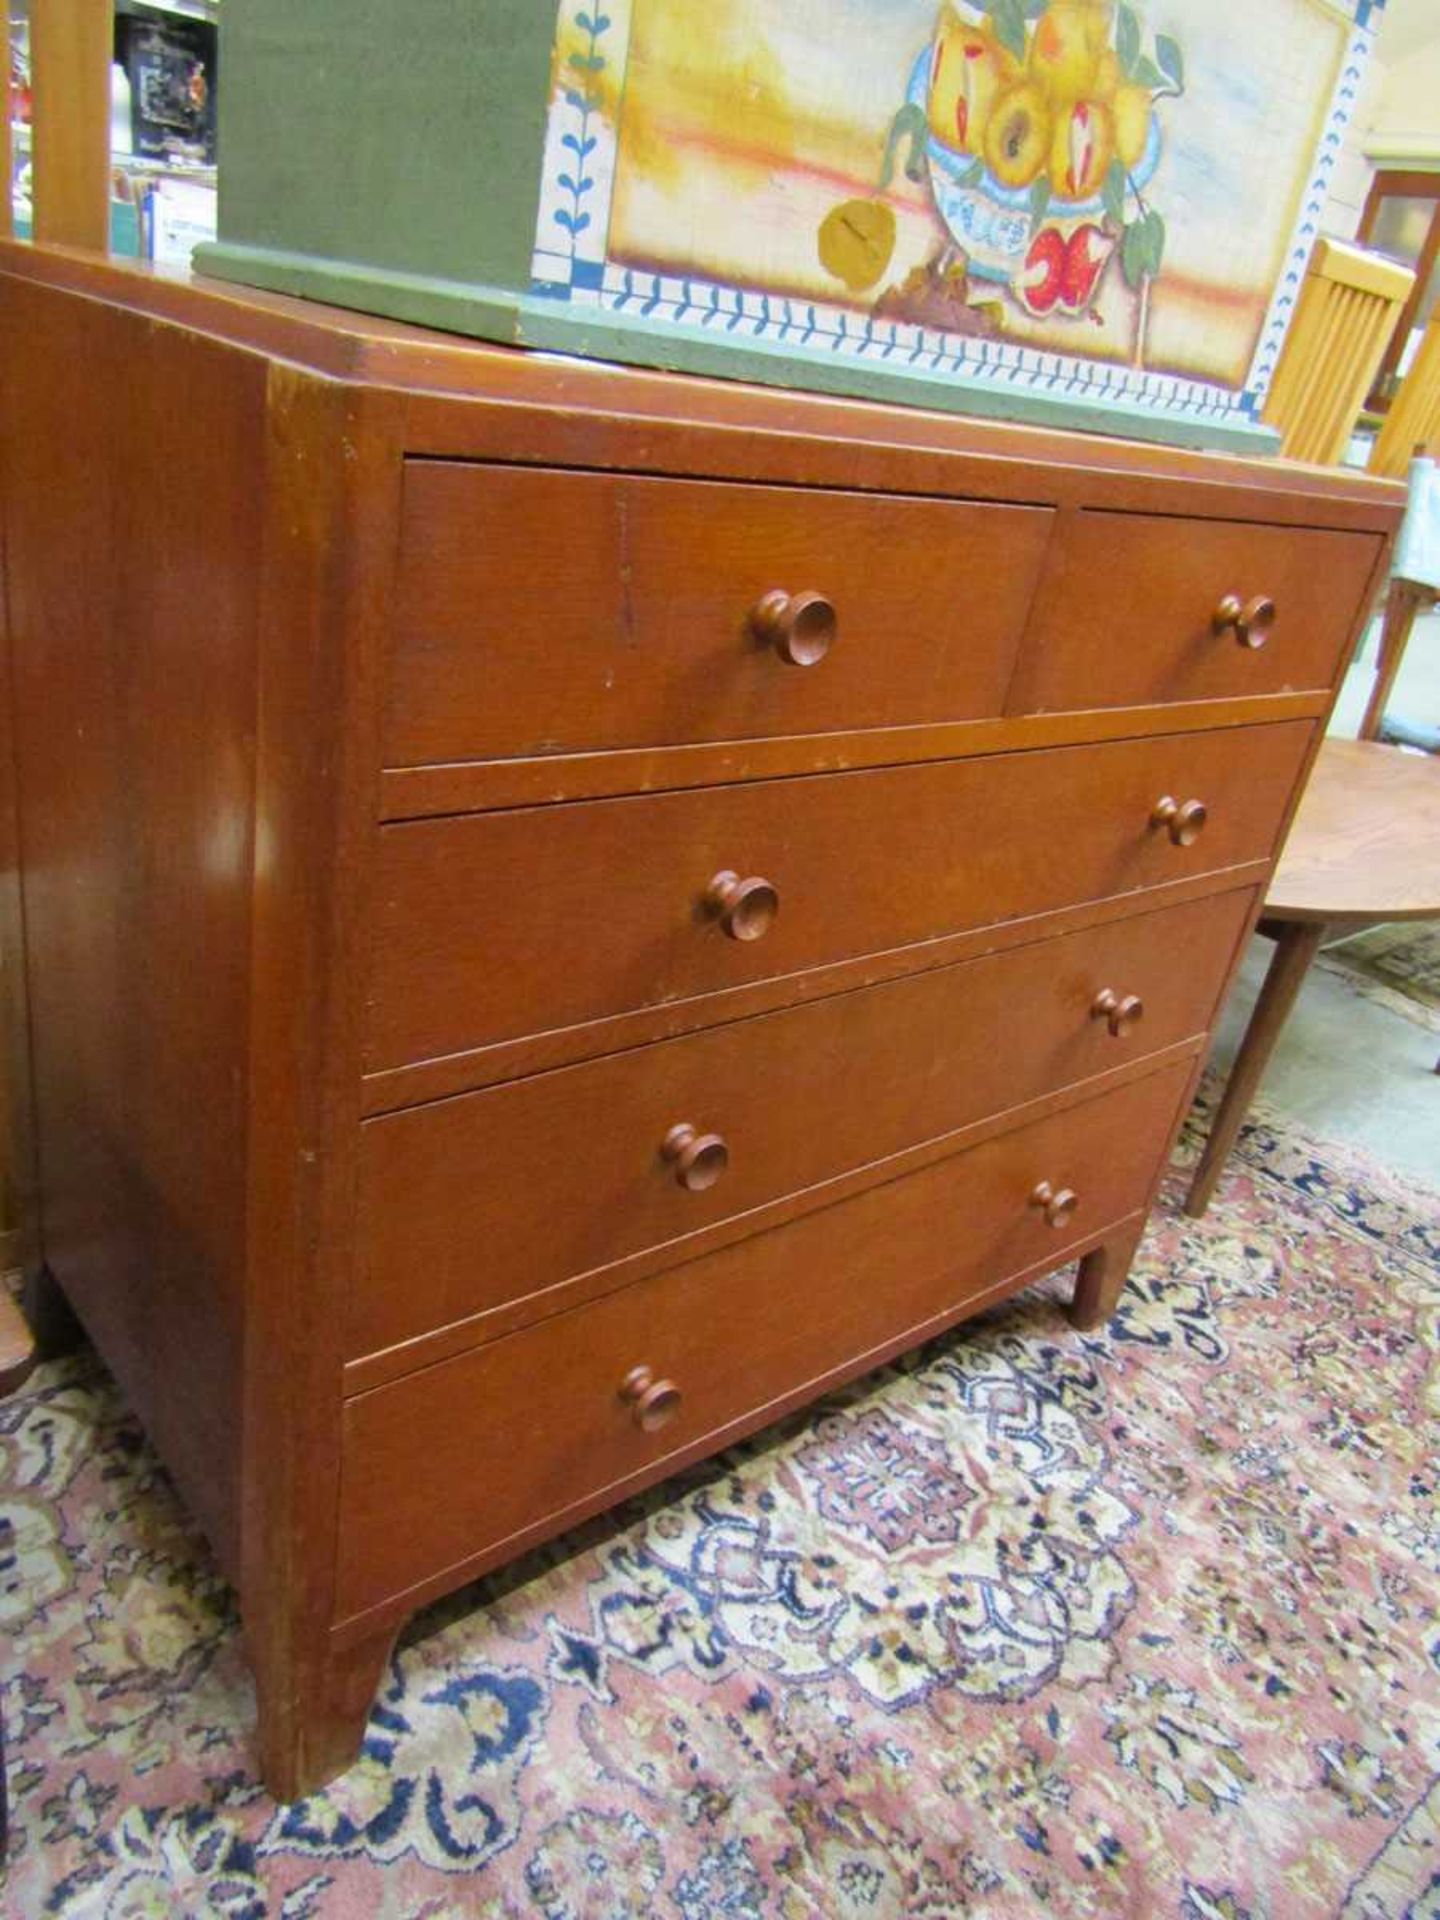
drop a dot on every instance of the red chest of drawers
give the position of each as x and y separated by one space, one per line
564 911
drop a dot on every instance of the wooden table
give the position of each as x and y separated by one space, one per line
1364 850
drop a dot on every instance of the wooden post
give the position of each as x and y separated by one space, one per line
71 45
7 157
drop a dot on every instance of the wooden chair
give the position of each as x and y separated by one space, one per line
1412 424
1349 306
1403 601
1411 427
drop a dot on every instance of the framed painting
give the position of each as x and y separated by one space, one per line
1033 206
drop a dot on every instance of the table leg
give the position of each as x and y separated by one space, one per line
1402 603
1296 944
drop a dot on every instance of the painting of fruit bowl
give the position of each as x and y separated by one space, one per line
1041 131
1127 189
1060 133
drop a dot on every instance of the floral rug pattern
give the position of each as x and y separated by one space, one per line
1145 1622
1396 966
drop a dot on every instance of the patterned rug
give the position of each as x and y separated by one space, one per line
1398 966
1141 1623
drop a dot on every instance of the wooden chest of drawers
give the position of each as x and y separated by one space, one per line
564 911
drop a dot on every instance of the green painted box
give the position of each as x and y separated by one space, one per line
1056 210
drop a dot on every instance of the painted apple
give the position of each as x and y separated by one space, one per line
1018 135
1081 149
1062 275
1087 253
1041 278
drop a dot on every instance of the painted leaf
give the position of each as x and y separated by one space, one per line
1127 37
1154 242
1009 23
1113 192
909 124
1032 9
1148 74
972 173
1172 60
1039 203
1132 253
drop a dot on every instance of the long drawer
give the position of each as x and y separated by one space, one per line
470 1203
498 925
442 1468
1141 608
544 612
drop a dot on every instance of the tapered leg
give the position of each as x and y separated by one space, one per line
312 1722
1101 1279
1402 603
1296 944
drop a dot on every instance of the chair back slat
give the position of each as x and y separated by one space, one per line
1348 308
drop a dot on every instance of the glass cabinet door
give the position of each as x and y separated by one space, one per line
1402 220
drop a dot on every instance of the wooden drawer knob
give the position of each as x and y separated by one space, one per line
653 1403
800 626
698 1158
746 907
1252 620
1058 1205
1121 1012
1183 820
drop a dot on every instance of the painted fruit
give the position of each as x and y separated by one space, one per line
969 70
856 241
1018 135
1131 108
1039 281
1071 37
1081 149
1087 252
1108 76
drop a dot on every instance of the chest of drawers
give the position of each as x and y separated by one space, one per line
564 911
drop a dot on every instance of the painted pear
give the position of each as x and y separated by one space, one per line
1108 76
1071 39
1131 108
969 70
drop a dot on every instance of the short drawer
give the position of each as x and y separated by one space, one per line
446 1466
470 1203
547 612
1140 608
491 926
